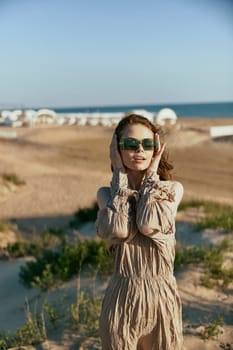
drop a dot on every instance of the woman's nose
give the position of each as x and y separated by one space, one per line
140 148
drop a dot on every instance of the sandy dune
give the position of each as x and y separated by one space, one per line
63 168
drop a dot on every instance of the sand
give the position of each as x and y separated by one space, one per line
64 166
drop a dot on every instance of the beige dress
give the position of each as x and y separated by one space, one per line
141 301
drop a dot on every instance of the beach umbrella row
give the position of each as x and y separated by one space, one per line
30 117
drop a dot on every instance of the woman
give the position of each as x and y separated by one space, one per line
141 308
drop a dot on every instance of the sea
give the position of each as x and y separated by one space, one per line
184 110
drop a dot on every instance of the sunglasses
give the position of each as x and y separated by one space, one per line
132 144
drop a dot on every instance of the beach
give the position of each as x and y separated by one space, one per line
63 167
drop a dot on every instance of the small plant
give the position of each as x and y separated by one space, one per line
23 248
226 346
221 278
13 178
212 330
192 203
47 279
50 239
84 215
31 333
85 314
190 255
54 267
54 311
217 215
4 226
212 259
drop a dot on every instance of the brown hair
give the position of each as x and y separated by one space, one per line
165 167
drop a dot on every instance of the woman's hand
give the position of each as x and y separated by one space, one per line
115 155
153 167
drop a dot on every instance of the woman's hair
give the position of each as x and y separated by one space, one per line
165 167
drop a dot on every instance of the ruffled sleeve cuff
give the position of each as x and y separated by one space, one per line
114 221
155 206
119 183
153 188
119 191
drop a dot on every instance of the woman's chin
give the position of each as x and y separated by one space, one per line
137 167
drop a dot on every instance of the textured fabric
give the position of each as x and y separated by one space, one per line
141 304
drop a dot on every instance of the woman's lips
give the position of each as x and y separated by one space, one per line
139 159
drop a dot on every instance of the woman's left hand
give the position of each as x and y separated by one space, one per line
153 167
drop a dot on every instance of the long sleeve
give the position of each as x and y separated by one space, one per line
157 205
113 220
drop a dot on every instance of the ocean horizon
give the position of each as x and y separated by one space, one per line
185 110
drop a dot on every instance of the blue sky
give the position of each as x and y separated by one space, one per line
58 53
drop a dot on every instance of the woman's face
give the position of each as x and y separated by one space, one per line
139 159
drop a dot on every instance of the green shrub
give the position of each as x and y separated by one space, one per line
212 259
55 267
4 225
50 239
191 204
83 317
226 346
31 333
218 221
23 248
84 215
54 311
189 255
212 330
217 215
34 331
85 314
13 178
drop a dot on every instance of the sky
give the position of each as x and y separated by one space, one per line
67 53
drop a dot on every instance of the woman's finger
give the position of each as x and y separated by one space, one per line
162 148
157 143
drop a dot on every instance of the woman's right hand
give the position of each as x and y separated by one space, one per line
115 155
157 155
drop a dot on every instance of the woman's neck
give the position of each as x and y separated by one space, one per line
135 179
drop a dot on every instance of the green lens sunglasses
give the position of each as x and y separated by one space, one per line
132 144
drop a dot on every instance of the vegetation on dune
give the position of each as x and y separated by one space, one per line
81 316
50 239
212 260
84 215
13 178
53 267
217 215
4 225
226 346
59 257
212 330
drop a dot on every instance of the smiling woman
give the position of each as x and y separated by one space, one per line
135 155
138 135
141 308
